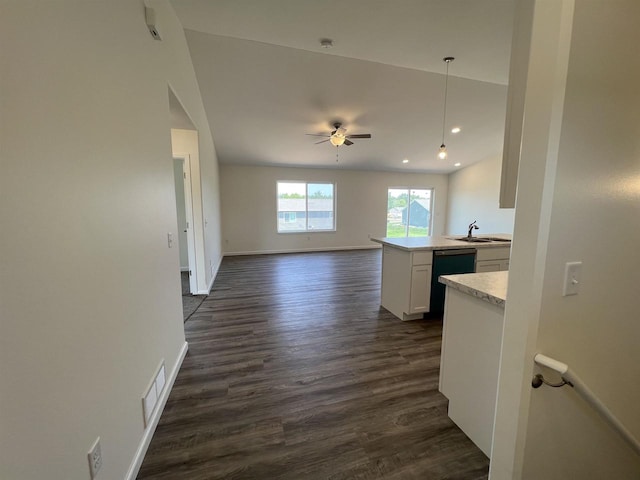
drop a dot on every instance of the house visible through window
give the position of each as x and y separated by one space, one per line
409 212
306 207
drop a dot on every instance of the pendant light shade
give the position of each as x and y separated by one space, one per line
442 152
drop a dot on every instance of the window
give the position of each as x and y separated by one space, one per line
409 212
306 207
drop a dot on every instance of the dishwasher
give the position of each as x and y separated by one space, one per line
448 262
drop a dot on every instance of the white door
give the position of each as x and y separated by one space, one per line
186 237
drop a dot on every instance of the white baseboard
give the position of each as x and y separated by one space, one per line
302 250
215 274
155 418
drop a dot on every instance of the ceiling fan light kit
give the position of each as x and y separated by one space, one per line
442 152
337 139
338 136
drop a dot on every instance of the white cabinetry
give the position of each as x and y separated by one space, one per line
469 364
420 288
492 259
406 282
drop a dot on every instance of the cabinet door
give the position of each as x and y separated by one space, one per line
420 289
488 266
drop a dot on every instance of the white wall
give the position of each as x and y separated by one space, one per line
578 200
249 207
473 195
90 297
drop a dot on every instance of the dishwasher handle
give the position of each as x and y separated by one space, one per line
455 251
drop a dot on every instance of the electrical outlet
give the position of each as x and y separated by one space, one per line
95 458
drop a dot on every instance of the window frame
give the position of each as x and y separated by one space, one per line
306 206
431 202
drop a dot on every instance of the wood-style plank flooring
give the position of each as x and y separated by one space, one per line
295 372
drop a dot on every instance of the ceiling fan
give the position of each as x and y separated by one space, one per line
338 136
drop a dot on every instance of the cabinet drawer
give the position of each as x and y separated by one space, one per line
422 258
500 253
488 266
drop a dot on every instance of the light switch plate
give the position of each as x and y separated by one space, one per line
572 278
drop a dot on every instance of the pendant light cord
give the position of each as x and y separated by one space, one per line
446 89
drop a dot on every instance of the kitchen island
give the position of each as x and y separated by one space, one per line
407 265
470 358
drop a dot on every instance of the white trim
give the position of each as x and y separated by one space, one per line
215 274
301 250
134 468
184 269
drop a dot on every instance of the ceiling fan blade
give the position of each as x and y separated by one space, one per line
317 134
348 142
322 141
360 135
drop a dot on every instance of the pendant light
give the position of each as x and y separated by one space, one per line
442 152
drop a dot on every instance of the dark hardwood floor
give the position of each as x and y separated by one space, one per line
295 372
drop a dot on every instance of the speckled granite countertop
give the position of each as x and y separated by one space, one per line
489 286
440 242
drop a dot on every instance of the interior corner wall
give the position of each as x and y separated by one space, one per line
474 193
249 210
90 295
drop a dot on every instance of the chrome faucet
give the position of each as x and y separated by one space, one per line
471 227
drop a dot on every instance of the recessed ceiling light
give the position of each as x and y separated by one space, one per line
457 164
406 160
455 130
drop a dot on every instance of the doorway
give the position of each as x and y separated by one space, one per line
184 212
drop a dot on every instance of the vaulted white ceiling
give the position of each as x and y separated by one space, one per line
266 81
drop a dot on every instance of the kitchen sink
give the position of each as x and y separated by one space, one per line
472 239
496 239
480 239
